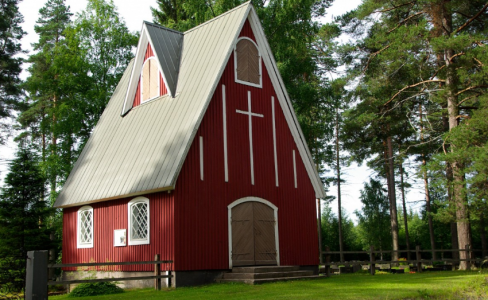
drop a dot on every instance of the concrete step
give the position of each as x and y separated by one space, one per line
269 280
265 269
267 275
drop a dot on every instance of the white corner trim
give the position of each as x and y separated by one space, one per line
250 114
80 245
274 140
201 157
229 224
129 235
224 118
295 168
260 85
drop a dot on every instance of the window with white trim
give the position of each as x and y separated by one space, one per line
247 61
138 221
150 80
85 227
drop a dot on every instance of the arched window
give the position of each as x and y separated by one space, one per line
248 62
85 227
139 221
150 80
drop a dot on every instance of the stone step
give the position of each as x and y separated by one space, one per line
265 269
267 275
269 280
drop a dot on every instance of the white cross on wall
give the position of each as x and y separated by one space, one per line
250 114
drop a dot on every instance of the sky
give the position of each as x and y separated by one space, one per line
134 13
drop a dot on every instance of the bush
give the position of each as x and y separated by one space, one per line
94 289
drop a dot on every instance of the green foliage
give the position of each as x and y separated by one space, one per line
374 218
10 63
95 289
23 217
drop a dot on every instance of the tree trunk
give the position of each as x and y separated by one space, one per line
338 172
390 178
427 193
405 221
483 235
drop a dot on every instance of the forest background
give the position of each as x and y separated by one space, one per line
406 95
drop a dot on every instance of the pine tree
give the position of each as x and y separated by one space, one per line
23 217
10 66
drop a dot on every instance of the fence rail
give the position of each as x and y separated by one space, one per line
37 281
417 261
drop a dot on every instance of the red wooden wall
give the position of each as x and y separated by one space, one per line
201 230
162 87
111 215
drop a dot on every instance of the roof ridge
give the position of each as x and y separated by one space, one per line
162 27
217 17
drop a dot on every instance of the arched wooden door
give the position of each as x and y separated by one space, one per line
254 240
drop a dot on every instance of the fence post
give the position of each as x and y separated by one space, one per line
36 275
327 261
372 266
157 272
419 259
170 274
468 259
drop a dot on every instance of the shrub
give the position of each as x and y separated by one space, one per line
94 289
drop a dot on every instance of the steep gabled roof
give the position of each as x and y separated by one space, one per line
143 150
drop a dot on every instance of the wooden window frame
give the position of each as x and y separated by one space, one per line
229 224
79 244
260 85
142 80
130 241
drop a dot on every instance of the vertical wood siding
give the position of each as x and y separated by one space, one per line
201 206
111 215
162 87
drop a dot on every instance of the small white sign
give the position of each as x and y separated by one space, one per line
120 237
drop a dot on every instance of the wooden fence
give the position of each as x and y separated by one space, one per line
157 272
418 261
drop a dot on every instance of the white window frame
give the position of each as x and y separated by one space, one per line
129 217
142 80
79 244
260 85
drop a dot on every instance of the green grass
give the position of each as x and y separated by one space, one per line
435 285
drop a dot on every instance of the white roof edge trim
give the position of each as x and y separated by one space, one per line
284 98
212 90
129 93
142 193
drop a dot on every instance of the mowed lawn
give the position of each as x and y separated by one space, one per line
433 285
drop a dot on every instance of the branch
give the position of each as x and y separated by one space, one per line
463 116
395 7
472 19
457 54
470 88
435 74
402 22
373 55
467 98
411 86
479 62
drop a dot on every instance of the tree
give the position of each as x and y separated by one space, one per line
107 48
374 217
439 47
46 91
23 217
10 65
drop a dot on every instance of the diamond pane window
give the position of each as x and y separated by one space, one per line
139 221
85 227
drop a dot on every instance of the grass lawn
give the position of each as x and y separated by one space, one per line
427 285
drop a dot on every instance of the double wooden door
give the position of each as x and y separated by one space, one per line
253 234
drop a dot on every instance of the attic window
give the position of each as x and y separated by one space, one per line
248 62
150 80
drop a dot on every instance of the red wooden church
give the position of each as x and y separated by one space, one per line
198 157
